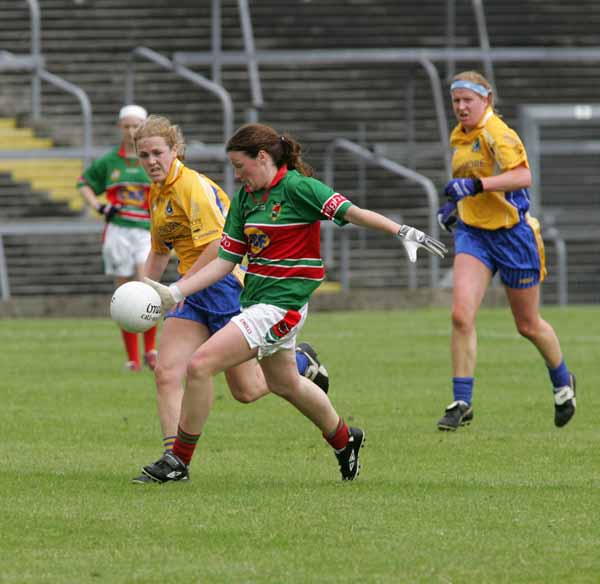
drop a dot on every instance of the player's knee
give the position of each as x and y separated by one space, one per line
280 390
244 395
527 328
462 321
201 366
166 377
285 388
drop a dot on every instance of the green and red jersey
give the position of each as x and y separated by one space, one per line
278 229
125 183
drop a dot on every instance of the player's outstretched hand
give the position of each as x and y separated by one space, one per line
446 216
412 239
169 295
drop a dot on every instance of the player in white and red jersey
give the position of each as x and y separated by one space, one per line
274 221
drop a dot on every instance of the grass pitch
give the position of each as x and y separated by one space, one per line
508 499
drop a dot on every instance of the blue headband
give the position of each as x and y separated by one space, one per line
476 87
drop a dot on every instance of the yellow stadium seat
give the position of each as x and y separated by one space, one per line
56 176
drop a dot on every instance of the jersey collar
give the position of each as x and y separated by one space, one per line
486 116
174 172
123 153
281 172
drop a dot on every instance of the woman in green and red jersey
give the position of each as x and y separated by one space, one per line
187 212
274 221
126 239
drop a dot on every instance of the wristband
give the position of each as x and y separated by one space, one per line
176 293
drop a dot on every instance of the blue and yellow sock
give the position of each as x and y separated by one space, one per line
168 442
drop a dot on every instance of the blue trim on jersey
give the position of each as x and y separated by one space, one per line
513 252
217 200
520 200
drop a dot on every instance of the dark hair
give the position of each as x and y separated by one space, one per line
282 148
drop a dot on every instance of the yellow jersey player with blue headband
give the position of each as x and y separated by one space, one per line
488 210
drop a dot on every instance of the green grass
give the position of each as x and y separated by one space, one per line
509 499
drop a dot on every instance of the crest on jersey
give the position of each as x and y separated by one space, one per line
115 175
275 211
257 240
169 208
476 146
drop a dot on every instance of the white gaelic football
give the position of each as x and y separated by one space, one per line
135 307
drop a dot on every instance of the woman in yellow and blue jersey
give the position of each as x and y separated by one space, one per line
187 215
488 210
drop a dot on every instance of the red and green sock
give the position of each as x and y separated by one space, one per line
339 438
184 445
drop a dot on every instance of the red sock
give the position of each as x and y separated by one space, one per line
340 438
131 346
150 339
185 444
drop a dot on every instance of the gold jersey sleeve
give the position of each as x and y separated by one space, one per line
490 148
187 213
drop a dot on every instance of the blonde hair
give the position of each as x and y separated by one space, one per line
162 127
476 77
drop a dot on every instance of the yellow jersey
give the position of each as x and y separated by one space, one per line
488 149
187 213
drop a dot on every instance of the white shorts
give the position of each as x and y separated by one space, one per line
124 249
270 328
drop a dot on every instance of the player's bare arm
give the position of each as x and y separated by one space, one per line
208 254
156 264
510 180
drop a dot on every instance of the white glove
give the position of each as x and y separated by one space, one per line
412 239
169 295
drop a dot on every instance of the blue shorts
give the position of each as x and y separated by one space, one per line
517 253
213 307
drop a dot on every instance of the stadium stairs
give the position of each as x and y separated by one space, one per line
55 177
319 103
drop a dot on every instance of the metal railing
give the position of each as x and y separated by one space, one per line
39 228
341 57
533 117
34 62
560 248
484 40
36 55
12 62
251 61
218 90
377 160
423 57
